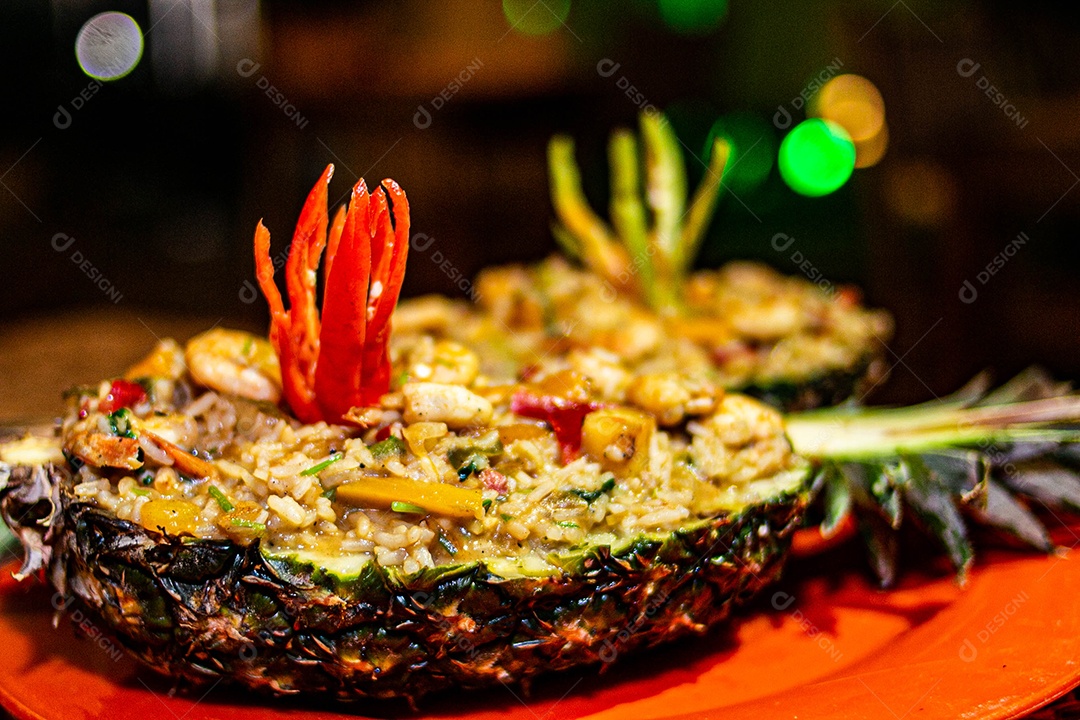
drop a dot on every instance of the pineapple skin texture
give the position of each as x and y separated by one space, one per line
205 611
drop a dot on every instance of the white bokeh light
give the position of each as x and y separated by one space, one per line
109 46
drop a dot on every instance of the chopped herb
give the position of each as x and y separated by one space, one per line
249 524
590 495
487 504
248 345
140 491
330 494
222 500
474 464
405 507
402 378
506 518
146 477
566 524
447 545
120 423
319 467
485 446
390 446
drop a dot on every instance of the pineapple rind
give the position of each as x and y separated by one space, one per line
210 610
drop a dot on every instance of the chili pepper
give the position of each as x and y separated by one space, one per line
122 394
333 363
563 415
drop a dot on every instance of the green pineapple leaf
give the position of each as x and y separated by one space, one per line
1005 512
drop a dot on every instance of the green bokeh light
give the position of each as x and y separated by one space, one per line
816 157
536 17
693 17
753 144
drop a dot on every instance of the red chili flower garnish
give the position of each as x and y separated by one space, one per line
565 417
340 360
122 394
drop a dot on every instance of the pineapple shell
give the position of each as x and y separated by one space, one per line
205 611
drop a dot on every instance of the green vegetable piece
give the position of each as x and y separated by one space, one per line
566 524
222 500
390 446
330 494
249 524
590 495
446 543
121 425
319 467
474 464
409 508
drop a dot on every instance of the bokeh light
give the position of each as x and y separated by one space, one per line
855 104
109 46
816 157
869 152
693 17
536 17
753 145
921 191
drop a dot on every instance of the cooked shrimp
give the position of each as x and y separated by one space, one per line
235 363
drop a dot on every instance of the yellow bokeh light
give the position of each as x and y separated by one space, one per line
855 104
869 152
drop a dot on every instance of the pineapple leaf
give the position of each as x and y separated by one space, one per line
1005 512
964 472
1055 486
932 501
875 488
837 495
882 546
1034 383
703 205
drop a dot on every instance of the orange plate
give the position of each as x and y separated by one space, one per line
824 643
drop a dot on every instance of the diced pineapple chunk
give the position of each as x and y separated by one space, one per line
618 439
174 516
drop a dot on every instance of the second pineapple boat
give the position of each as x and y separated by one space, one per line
405 523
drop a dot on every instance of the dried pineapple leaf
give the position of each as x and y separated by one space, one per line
1005 512
932 501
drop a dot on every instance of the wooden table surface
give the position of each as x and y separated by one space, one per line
42 356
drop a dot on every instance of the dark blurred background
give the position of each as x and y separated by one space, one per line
127 206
